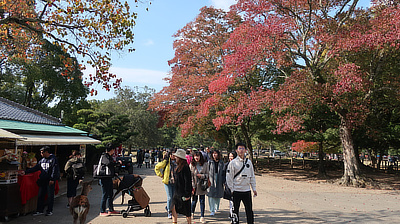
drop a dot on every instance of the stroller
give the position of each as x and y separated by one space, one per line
132 185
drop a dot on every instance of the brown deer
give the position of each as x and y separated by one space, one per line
80 206
116 183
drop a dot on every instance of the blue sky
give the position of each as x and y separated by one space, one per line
148 64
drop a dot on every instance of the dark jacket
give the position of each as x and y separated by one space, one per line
49 168
183 182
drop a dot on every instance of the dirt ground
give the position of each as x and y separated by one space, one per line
379 179
285 195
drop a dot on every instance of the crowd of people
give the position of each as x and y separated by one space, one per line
191 175
188 177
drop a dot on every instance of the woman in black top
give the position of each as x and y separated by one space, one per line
183 188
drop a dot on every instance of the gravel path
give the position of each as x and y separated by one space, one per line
278 201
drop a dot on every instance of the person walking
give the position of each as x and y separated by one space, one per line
50 173
106 183
199 170
139 158
227 191
147 159
188 156
240 178
183 188
72 177
165 169
205 154
216 177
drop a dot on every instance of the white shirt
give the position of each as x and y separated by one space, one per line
245 179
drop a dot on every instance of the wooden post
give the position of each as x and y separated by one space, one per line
291 162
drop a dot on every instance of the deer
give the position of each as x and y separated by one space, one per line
80 206
116 183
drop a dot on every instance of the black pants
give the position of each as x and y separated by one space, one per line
248 205
45 189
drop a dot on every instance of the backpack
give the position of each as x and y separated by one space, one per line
78 170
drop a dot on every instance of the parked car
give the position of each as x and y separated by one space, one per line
278 153
126 164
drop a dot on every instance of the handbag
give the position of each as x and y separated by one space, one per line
204 184
227 192
101 170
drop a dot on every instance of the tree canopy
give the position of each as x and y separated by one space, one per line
290 59
91 29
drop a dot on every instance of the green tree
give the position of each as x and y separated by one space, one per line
109 128
133 102
41 85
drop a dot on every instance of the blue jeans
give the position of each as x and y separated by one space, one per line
107 197
43 190
214 203
169 188
202 204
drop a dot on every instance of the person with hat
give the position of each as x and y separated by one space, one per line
183 188
50 173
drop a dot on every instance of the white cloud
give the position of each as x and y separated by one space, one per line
131 77
223 4
149 42
140 77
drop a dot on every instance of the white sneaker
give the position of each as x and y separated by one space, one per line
169 215
37 213
212 213
202 220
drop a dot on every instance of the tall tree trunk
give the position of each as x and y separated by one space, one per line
247 140
321 161
351 175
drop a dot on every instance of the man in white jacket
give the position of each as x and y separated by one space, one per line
240 178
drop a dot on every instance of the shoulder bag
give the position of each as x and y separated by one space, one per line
101 170
227 191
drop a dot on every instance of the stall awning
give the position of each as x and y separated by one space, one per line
9 135
56 140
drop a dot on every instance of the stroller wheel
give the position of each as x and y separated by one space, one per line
147 212
124 214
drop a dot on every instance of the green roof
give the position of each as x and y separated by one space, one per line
24 126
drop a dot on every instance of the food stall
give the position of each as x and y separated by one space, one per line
10 203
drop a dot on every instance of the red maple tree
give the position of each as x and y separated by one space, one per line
198 59
313 44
